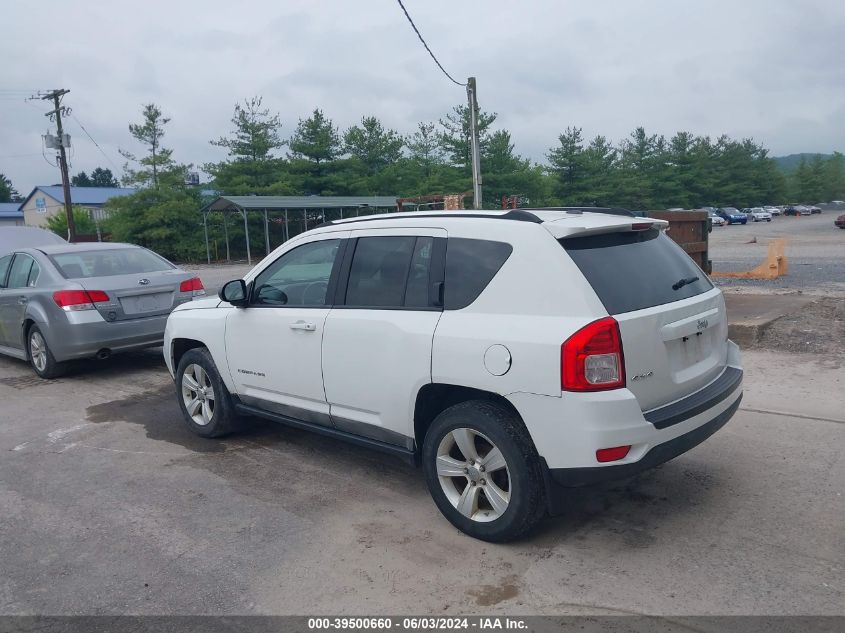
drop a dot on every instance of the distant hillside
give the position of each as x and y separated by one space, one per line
789 163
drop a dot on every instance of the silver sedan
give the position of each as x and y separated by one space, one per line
69 301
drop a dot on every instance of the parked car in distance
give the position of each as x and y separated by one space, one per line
758 214
840 221
773 210
798 209
814 209
12 237
69 301
732 215
435 337
716 220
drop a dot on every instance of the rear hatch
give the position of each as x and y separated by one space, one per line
672 320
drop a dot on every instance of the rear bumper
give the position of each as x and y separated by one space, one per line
84 338
660 454
700 415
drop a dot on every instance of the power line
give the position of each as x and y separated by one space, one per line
419 35
108 158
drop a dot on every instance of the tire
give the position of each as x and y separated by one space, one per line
40 357
212 412
486 426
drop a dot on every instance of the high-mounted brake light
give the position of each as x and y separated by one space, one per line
641 226
193 285
591 359
74 300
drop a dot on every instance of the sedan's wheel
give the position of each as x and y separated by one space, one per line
483 471
206 404
40 357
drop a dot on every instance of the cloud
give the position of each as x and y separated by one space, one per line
767 69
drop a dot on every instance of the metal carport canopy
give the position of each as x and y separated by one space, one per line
245 204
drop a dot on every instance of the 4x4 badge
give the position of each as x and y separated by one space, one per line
702 324
648 374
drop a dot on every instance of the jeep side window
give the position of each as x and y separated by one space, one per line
379 271
300 277
470 266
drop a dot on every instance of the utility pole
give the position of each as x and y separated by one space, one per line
63 141
472 97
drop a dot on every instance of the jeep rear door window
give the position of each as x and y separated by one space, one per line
470 266
379 271
636 269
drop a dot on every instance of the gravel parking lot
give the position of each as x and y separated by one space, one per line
815 251
110 506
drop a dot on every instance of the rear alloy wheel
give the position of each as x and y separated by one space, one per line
477 485
40 357
483 471
205 402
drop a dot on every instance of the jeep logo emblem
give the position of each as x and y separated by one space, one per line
702 324
144 281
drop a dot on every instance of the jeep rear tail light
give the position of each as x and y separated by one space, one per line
591 359
74 300
194 286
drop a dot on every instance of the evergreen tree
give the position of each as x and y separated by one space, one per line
567 168
455 135
81 180
103 178
374 146
315 139
156 166
251 167
255 135
7 190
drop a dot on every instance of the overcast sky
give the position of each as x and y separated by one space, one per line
773 70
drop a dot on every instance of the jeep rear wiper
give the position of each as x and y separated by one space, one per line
683 282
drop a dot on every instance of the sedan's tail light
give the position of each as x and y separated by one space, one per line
73 300
194 286
591 359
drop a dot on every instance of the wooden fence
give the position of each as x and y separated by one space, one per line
691 230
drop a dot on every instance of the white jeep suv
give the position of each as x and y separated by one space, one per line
511 354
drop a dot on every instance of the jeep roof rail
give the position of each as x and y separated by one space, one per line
580 210
518 215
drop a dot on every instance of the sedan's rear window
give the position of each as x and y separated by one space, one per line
108 263
636 269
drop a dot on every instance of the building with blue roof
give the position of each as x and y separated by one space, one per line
10 214
43 202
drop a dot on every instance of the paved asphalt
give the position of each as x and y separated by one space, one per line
108 505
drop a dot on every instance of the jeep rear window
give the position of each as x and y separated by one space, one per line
636 269
470 266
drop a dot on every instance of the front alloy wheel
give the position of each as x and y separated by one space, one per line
198 395
206 404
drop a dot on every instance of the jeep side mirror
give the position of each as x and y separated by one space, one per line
234 292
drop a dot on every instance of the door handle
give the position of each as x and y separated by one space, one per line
22 300
302 325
